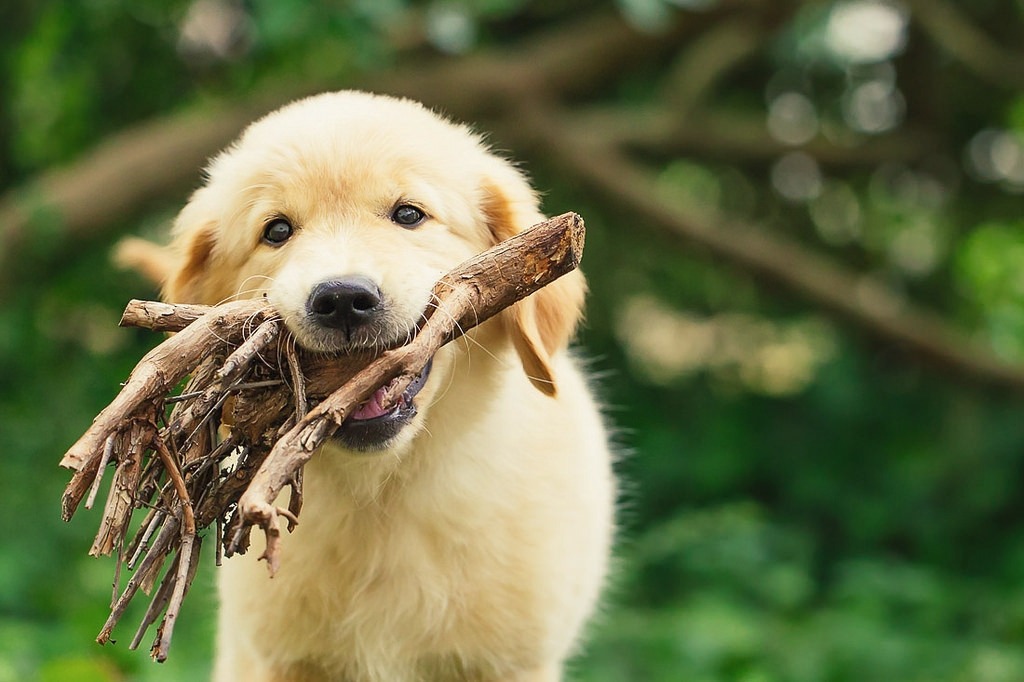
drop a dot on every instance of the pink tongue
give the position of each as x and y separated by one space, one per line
371 409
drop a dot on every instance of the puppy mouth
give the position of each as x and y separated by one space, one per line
371 426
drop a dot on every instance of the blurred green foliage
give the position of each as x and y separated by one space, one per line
860 523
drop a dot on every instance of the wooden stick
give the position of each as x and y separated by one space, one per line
167 317
465 297
248 374
108 451
121 498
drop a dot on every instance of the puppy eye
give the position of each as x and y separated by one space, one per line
277 232
407 215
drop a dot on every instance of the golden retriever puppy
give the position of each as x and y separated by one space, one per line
464 534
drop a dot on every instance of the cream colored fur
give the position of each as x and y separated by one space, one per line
475 545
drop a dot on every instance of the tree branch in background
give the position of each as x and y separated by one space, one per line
129 169
114 180
697 70
499 89
735 137
851 296
956 35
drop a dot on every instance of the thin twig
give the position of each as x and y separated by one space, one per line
239 361
116 583
153 559
156 604
219 550
108 450
149 525
184 563
298 381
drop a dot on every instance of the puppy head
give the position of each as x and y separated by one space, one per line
344 209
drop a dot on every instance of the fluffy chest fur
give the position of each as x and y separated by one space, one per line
477 552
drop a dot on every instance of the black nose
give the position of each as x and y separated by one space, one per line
345 303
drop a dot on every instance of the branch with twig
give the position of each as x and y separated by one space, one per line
278 405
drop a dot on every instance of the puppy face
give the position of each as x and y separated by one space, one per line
344 209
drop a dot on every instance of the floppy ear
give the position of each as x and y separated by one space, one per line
541 324
195 236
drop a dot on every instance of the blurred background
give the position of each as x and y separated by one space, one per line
806 252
